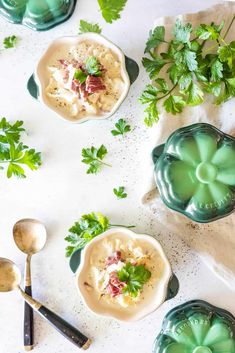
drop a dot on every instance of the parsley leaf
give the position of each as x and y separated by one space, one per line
216 70
195 94
94 157
89 27
121 128
111 9
226 54
174 104
182 32
80 76
153 67
135 278
209 31
120 192
10 42
10 133
85 229
93 66
156 37
13 153
187 58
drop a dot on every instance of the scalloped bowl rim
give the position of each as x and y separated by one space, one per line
170 205
163 284
40 78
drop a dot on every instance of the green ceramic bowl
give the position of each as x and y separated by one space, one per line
38 15
195 172
196 327
39 81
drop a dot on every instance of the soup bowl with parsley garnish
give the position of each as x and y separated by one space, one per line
84 77
125 275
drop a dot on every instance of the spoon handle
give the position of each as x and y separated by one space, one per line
28 322
67 330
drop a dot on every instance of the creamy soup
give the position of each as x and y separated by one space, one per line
102 276
76 92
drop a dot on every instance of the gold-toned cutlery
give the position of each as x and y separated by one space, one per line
30 237
10 278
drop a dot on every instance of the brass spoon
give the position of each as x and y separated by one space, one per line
30 237
10 278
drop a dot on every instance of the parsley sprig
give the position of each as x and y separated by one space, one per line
14 155
89 27
121 128
111 9
10 42
85 229
135 278
120 192
92 66
192 68
94 157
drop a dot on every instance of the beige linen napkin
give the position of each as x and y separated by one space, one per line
215 241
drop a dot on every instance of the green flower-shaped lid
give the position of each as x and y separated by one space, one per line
195 172
196 327
37 14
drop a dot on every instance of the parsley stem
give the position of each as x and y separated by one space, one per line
108 165
120 225
228 29
222 38
165 95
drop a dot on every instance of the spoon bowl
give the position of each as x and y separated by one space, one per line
10 276
30 235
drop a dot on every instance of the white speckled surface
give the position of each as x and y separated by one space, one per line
60 191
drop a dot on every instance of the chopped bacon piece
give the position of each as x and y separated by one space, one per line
94 84
66 76
114 258
83 92
75 85
115 286
64 63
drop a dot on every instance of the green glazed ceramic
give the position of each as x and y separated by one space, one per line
195 172
39 15
196 327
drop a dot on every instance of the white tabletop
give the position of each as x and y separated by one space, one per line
61 191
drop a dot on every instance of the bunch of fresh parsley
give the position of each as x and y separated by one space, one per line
192 68
85 229
135 277
94 157
13 153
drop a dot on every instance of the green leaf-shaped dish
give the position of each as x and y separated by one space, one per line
195 172
196 327
38 15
